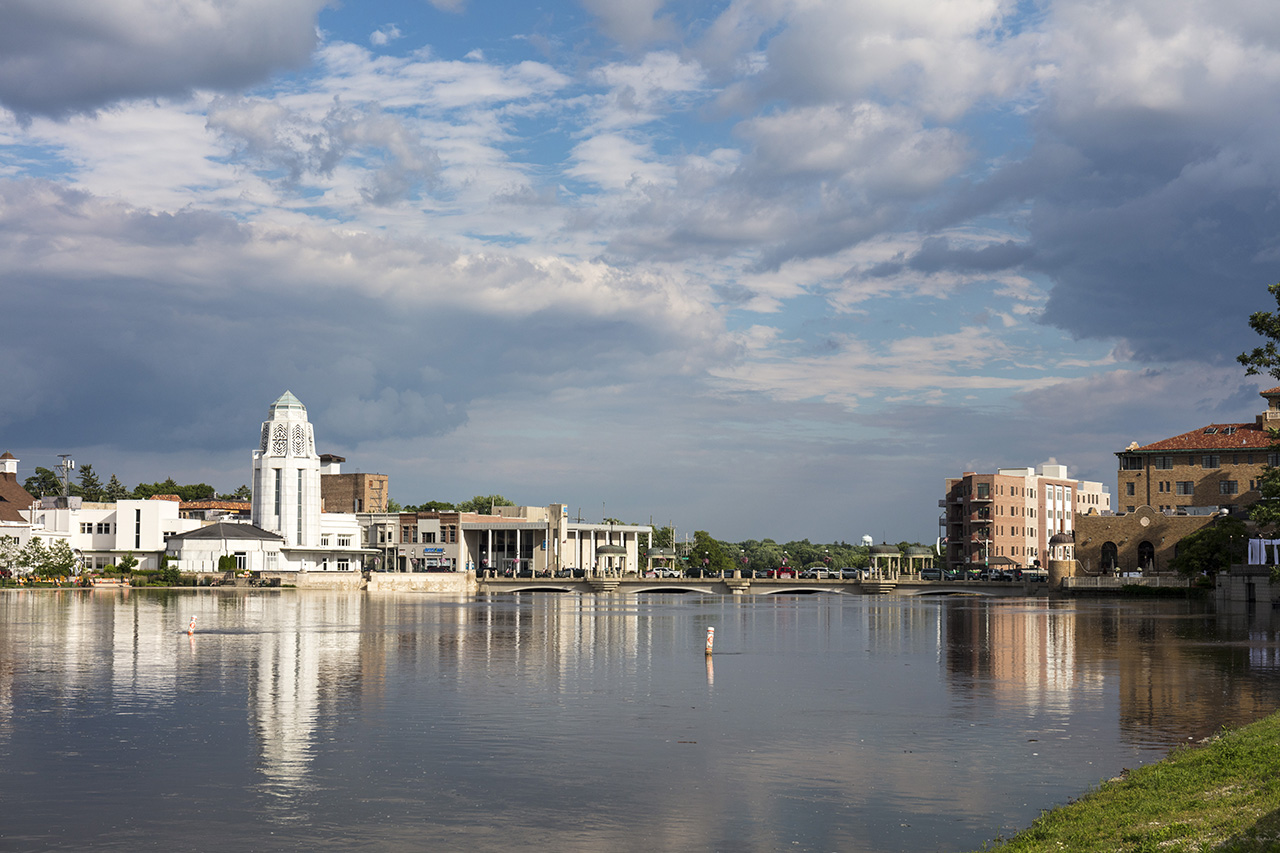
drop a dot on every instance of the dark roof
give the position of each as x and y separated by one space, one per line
13 498
1212 437
223 530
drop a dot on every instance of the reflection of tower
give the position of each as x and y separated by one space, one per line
286 475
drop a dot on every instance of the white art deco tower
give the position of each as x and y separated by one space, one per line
286 475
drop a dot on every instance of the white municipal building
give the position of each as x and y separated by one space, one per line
289 532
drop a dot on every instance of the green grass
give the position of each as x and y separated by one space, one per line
1223 796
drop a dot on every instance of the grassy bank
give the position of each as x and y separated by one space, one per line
1223 796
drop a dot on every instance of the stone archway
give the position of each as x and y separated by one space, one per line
1110 557
1146 556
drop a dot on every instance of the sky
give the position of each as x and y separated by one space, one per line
764 268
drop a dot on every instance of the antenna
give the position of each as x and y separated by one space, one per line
65 467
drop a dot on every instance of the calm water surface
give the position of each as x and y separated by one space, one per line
342 721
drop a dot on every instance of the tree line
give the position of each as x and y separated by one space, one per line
90 487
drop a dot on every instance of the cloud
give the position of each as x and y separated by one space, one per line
384 35
60 57
298 145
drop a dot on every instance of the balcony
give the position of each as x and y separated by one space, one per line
979 519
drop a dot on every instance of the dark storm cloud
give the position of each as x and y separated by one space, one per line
167 332
60 57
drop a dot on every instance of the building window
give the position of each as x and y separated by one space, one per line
1130 463
104 527
1273 460
1212 462
86 527
415 534
1186 487
1228 487
344 565
324 541
242 561
344 541
1164 463
1130 489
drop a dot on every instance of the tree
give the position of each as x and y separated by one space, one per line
9 552
195 492
393 505
484 504
33 556
1266 358
127 563
1212 548
709 554
114 491
242 493
429 506
90 487
1266 512
60 561
44 482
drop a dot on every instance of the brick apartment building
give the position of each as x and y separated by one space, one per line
1008 517
1216 466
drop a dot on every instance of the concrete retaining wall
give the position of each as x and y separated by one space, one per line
456 583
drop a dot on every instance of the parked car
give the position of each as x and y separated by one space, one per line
931 574
851 574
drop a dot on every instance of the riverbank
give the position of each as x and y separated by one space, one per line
1223 795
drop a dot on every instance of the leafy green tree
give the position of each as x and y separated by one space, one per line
1266 358
1266 511
60 561
33 556
393 505
9 552
1212 548
431 506
127 563
90 487
242 493
709 554
484 503
44 482
115 490
168 574
195 492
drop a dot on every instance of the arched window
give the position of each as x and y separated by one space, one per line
1110 556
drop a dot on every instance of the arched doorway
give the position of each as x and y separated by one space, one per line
1146 555
1110 556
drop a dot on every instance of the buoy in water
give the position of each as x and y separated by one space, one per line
191 628
711 639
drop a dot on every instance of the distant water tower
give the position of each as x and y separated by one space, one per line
867 541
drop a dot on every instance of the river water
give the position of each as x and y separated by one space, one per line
296 720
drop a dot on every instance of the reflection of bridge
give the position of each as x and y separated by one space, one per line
761 586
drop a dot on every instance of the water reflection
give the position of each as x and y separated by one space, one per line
592 722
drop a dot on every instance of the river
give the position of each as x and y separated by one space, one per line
295 720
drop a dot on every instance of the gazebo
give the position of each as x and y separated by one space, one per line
664 556
886 561
611 560
919 557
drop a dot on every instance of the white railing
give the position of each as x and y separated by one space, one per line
1117 583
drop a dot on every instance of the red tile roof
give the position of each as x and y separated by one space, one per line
1240 437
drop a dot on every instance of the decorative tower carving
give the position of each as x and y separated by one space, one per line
286 475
